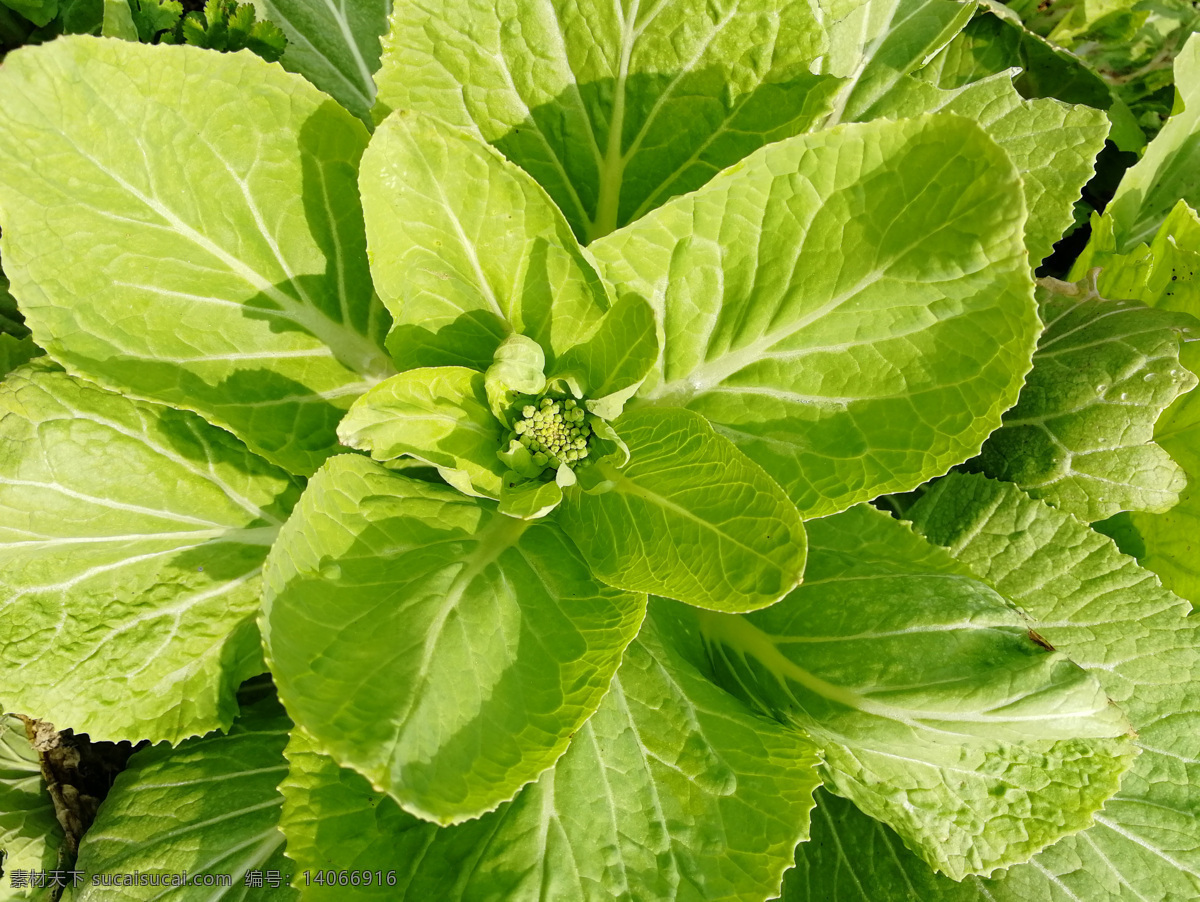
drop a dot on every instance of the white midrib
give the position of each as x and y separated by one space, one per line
297 36
262 535
339 14
705 377
355 350
748 640
613 174
496 538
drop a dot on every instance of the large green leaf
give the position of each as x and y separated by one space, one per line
466 248
1164 274
626 105
672 790
131 541
1172 540
1170 169
30 835
439 415
444 650
852 308
208 808
1111 617
936 710
198 239
332 43
1053 145
690 517
873 44
1081 435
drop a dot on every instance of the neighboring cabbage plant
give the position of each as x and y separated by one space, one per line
524 436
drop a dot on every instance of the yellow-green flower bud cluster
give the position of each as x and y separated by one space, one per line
554 432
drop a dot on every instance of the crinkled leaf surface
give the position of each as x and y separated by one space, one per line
466 248
206 203
873 44
1111 617
612 107
1172 539
210 806
332 43
690 517
672 790
935 710
1164 274
852 308
436 414
444 650
30 835
1081 435
132 537
1053 145
1168 171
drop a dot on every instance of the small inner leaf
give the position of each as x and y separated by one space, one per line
528 499
517 369
440 415
690 517
611 365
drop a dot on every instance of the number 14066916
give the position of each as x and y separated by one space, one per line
349 878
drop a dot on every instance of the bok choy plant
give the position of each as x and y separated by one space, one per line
520 412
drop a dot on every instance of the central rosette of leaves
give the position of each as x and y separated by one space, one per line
554 431
520 431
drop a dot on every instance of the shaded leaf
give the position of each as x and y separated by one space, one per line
456 280
873 44
627 106
132 537
936 711
335 45
671 790
439 415
445 651
207 808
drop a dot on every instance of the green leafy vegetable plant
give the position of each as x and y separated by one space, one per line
222 25
518 405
